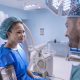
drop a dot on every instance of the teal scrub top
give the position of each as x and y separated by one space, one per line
17 58
75 72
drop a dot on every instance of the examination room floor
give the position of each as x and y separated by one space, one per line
62 68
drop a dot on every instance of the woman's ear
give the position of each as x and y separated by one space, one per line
8 34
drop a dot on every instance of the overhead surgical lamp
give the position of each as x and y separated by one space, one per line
61 7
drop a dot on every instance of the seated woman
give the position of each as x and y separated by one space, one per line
13 30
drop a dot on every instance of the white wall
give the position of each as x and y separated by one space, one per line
54 26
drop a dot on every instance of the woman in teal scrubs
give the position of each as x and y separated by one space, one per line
12 29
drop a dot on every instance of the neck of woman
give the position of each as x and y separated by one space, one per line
10 44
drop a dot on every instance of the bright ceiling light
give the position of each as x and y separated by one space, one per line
33 6
27 7
60 7
65 3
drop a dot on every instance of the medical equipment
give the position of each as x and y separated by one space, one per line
42 60
7 73
59 7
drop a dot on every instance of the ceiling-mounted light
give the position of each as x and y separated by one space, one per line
31 4
60 7
66 5
27 7
57 3
30 7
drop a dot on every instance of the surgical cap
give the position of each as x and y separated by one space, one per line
74 11
6 24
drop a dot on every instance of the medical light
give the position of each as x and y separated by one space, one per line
64 3
61 7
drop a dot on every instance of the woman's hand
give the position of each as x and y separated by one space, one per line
32 75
